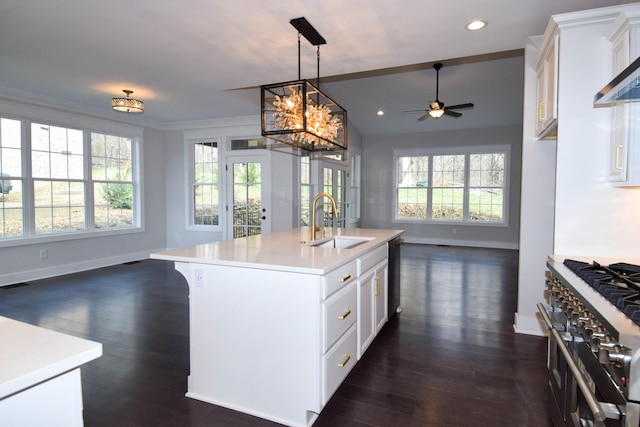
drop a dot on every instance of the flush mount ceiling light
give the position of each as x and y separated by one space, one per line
127 105
476 24
298 113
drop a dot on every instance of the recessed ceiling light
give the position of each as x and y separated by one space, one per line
380 113
476 24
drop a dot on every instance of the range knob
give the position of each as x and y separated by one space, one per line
593 330
614 353
584 320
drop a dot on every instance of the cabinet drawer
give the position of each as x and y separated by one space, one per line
338 314
370 259
338 363
338 278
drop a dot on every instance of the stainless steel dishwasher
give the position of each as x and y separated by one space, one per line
394 276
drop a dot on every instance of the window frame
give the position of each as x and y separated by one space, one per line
29 114
190 145
467 151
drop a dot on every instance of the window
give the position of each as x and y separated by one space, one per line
206 201
448 187
11 205
112 181
59 180
439 187
57 168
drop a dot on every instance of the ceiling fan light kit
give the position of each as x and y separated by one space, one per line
437 108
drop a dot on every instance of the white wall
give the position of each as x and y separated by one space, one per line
378 187
537 207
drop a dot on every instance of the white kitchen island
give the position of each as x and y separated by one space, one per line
277 324
40 375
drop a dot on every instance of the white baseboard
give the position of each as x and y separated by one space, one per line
529 326
58 270
454 242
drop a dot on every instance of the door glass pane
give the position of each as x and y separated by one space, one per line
247 199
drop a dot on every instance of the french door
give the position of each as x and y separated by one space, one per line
248 189
334 182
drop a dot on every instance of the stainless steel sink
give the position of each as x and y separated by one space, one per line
339 242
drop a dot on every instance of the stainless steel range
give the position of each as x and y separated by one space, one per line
593 316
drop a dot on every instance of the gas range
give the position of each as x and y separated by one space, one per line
593 317
586 284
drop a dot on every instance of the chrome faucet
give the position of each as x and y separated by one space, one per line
314 228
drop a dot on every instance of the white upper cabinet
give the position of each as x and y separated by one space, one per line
624 151
547 87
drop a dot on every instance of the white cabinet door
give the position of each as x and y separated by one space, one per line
380 295
547 90
623 149
366 320
372 300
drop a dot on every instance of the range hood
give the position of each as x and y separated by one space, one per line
625 87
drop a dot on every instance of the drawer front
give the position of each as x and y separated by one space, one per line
338 278
338 363
338 314
370 259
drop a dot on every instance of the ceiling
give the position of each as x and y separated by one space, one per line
205 59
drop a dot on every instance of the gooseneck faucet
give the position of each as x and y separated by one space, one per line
314 228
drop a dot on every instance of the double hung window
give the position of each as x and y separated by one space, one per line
466 187
65 181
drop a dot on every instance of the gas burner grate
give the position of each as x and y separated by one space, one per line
618 283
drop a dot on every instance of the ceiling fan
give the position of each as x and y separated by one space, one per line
437 108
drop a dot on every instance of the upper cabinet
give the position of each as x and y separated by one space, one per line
547 87
624 150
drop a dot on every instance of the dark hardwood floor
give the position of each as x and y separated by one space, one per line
450 358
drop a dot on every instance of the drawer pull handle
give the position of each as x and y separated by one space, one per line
346 360
377 285
345 278
345 315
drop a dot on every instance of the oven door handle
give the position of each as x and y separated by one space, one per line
594 405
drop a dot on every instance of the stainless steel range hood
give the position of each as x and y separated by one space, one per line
625 87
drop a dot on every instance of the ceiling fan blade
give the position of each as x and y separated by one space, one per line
423 117
413 111
452 113
460 106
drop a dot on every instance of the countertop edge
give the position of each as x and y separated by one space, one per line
261 252
25 373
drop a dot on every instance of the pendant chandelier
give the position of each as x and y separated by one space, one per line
298 113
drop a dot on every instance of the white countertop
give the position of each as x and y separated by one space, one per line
30 355
281 250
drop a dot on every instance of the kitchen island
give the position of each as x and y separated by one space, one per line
277 322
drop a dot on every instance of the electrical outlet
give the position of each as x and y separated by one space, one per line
199 276
44 254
